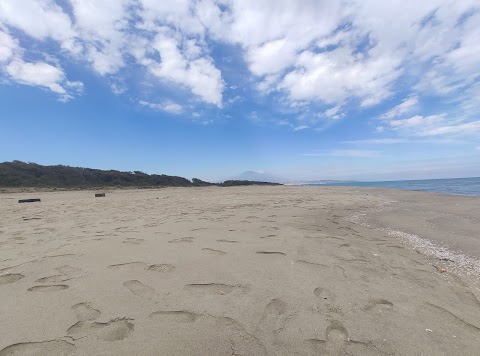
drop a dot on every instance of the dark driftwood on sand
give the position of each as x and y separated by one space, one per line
28 200
98 195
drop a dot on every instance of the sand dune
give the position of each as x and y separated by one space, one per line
238 271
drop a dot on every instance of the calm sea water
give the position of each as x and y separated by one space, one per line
457 186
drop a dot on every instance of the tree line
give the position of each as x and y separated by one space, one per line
26 174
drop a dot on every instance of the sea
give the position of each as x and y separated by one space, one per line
455 186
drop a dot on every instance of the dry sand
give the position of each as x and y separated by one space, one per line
239 271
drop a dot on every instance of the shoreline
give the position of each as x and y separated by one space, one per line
14 190
249 270
446 256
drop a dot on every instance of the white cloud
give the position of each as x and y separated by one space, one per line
106 35
418 121
335 76
436 125
301 127
102 27
379 141
199 73
37 73
265 59
235 99
456 45
382 44
344 153
468 128
168 106
334 113
8 46
39 19
341 54
406 106
43 75
185 15
118 88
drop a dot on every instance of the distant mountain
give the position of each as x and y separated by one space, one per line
258 176
22 174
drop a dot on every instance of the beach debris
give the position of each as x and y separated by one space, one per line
99 195
429 330
29 200
440 269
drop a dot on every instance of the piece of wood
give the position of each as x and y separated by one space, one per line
29 200
99 195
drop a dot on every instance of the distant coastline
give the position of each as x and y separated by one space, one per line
452 186
20 175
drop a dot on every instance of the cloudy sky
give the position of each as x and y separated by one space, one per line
325 89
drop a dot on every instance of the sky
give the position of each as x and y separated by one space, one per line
304 90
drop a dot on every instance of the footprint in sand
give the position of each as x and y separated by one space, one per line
325 299
267 236
324 294
177 316
274 309
133 241
271 253
213 251
273 319
49 288
85 312
379 305
214 288
11 278
58 278
140 289
223 334
44 348
337 342
160 267
69 270
66 273
127 265
182 239
114 330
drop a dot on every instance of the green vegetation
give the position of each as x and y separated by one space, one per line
232 183
22 174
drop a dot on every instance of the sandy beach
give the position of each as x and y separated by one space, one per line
240 271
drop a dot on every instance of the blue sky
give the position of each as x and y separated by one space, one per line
304 90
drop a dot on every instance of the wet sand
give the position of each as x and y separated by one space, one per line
239 271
